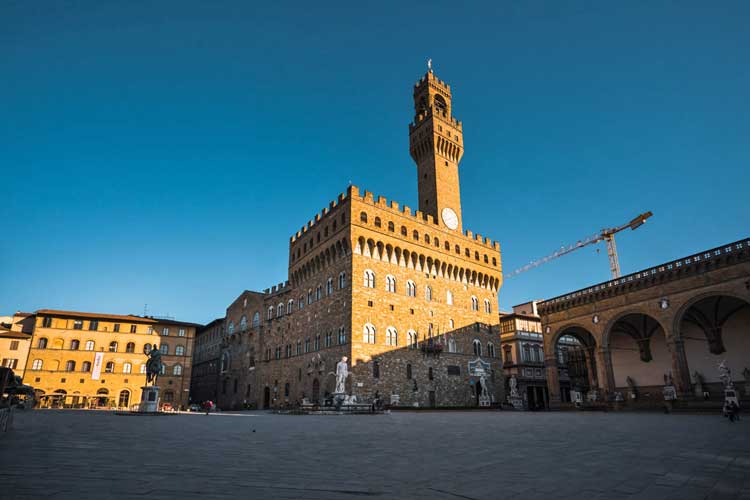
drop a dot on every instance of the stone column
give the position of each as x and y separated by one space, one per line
605 372
591 368
553 382
680 370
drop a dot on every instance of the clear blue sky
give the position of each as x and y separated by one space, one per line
164 152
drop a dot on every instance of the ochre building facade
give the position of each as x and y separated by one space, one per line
408 296
92 360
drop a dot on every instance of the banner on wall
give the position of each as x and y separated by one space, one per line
97 369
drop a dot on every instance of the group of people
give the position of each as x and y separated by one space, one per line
732 411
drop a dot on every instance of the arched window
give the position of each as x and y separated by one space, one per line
299 347
448 246
177 370
449 298
440 105
74 345
368 334
375 369
179 350
256 319
301 302
408 371
390 283
458 249
451 345
404 232
130 347
437 242
329 286
391 336
127 368
415 235
290 306
113 347
363 217
342 280
89 346
342 335
477 347
427 238
42 344
86 366
486 260
37 364
490 349
70 366
428 293
243 323
411 339
309 296
280 310
487 306
411 289
318 292
369 279
377 222
474 303
451 324
124 399
110 367
164 348
230 328
476 255
391 227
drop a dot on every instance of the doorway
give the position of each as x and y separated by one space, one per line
266 397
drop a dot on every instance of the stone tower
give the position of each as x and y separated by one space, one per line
436 145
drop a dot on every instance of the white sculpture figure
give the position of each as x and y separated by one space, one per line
429 64
725 374
342 371
513 387
485 394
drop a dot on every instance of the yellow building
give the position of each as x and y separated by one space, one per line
87 360
15 340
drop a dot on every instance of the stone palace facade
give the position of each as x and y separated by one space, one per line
408 296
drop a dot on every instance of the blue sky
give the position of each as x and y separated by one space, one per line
162 153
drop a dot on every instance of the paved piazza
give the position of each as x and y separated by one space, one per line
440 455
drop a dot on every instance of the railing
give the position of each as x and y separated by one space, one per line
707 255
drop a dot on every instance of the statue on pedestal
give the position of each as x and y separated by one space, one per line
725 374
153 366
342 371
513 387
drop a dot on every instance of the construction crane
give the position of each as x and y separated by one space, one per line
607 235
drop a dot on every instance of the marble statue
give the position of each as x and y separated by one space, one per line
484 393
513 387
342 371
725 374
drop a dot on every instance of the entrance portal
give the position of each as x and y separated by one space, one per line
266 397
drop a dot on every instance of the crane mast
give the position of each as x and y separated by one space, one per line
607 235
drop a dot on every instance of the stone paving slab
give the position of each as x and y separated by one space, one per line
425 455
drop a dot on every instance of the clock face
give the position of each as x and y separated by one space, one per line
450 218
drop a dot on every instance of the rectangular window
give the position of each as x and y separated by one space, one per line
133 328
78 324
13 345
454 370
117 327
10 363
181 332
93 325
165 331
47 322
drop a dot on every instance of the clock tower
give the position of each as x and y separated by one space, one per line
436 145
